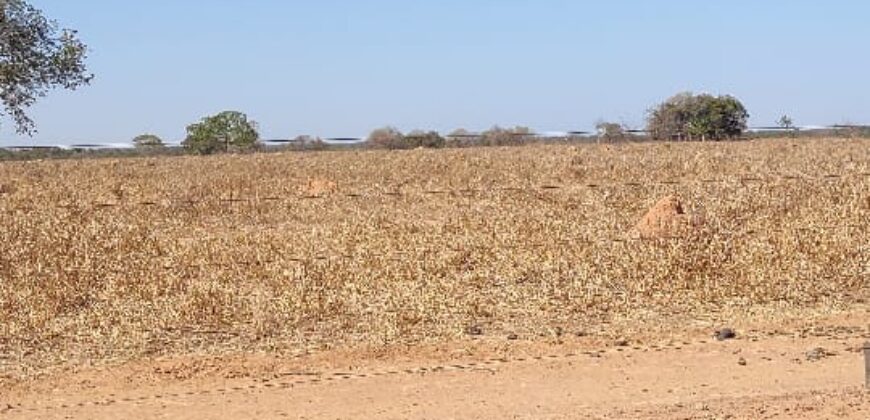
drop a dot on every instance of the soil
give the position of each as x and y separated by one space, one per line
756 375
667 219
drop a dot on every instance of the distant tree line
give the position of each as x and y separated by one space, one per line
683 117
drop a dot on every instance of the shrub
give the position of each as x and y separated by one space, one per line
227 131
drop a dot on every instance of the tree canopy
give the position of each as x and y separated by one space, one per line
147 140
227 131
698 117
386 138
427 139
610 131
499 136
35 57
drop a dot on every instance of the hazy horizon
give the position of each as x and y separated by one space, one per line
341 68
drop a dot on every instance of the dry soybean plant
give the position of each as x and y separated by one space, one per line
117 259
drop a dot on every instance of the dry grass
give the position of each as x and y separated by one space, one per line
290 251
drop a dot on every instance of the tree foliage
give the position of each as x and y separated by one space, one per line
498 136
459 132
391 138
698 117
35 57
308 142
610 131
385 138
227 131
427 139
147 140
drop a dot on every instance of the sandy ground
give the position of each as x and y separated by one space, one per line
751 378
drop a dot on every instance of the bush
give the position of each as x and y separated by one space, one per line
698 117
227 131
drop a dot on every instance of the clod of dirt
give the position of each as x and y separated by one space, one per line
318 188
474 330
818 353
725 334
6 189
621 343
741 361
667 219
513 337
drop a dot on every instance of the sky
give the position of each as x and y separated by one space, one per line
340 68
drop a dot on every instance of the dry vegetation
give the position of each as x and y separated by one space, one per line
113 259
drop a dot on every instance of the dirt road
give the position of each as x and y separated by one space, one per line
769 378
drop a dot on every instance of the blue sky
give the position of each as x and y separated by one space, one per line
342 68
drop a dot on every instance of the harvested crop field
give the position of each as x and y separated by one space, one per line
104 261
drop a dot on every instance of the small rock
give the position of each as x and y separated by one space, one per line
725 334
474 330
581 334
741 361
621 343
513 337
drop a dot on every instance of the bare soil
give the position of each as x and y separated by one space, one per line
667 219
774 373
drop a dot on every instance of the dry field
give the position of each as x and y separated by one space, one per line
113 260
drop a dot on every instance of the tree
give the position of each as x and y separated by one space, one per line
703 117
610 131
785 122
147 141
307 142
227 131
427 139
386 138
36 56
461 137
459 132
498 136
